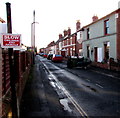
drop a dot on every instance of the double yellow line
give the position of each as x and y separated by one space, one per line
76 105
82 113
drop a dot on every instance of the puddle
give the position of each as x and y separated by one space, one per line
53 84
64 102
50 77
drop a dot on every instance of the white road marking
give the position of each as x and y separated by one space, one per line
99 85
88 80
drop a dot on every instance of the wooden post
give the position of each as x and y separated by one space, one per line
11 63
0 82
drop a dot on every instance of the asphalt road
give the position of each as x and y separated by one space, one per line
39 99
70 92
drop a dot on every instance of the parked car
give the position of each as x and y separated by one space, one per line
45 55
49 56
57 58
75 61
41 54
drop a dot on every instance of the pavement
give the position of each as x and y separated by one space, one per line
110 73
39 100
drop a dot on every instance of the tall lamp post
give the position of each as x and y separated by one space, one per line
33 31
33 34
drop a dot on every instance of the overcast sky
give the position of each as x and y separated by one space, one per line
53 16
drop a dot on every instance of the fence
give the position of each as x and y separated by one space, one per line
112 64
22 64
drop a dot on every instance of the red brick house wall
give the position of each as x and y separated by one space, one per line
74 39
78 47
70 45
57 49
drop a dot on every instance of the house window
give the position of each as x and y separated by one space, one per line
106 27
61 44
70 41
70 51
88 33
80 35
67 41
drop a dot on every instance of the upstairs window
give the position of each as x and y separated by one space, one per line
88 33
70 41
106 27
67 41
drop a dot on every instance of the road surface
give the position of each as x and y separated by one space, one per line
77 92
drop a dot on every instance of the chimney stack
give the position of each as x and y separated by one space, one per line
60 36
94 18
65 33
78 25
69 31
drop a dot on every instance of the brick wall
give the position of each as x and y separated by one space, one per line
6 72
22 63
73 40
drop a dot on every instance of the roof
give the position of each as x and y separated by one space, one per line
116 11
51 44
59 40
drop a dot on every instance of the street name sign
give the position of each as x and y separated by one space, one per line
11 41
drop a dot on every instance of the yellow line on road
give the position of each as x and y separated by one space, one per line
76 105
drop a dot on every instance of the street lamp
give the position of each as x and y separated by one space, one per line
33 32
33 36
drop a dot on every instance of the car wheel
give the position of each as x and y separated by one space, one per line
69 64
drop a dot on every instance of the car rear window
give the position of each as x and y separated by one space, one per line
58 55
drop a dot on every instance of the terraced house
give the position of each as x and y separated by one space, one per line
69 43
101 38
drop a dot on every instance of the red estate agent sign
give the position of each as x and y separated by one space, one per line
11 40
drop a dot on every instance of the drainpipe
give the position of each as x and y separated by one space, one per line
75 44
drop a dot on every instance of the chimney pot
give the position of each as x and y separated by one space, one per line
78 25
69 31
60 36
94 18
65 33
